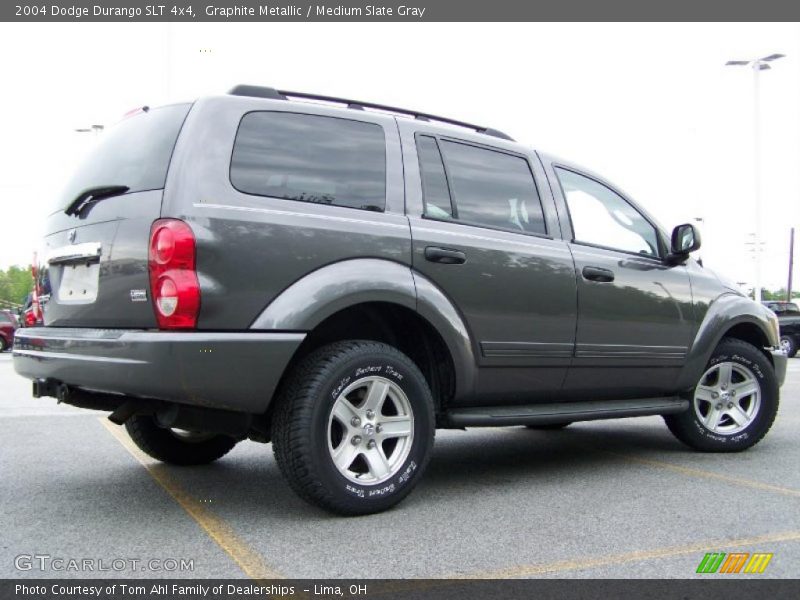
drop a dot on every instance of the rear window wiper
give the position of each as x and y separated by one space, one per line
92 195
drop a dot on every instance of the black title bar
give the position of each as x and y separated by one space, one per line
732 588
410 11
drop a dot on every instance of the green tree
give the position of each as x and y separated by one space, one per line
777 294
15 284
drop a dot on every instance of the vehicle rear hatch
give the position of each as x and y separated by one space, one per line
93 260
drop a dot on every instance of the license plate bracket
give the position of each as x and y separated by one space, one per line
79 283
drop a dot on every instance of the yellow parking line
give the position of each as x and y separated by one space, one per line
758 485
243 555
628 557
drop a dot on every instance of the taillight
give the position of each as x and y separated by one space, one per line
173 279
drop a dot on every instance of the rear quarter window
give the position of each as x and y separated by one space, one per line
310 158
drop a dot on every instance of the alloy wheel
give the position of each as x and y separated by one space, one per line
728 398
370 430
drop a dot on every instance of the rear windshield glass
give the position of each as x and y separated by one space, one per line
134 153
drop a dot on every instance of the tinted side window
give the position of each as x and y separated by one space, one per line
602 217
311 158
493 188
434 181
4 318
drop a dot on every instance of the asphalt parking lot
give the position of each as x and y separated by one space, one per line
612 499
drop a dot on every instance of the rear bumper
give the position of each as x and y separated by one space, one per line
233 371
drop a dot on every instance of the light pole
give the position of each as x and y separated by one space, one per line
757 65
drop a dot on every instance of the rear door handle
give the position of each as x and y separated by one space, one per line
445 256
598 274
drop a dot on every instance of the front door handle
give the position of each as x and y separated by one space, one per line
445 256
598 274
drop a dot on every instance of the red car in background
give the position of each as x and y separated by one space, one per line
8 325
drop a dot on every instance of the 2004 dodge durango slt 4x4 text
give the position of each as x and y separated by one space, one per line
342 278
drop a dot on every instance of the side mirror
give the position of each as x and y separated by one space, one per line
685 239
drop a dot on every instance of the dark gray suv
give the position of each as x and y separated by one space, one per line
343 278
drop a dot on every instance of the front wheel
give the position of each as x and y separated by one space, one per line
353 427
734 403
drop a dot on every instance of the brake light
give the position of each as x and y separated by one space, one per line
173 280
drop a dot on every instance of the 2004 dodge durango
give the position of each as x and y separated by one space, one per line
342 278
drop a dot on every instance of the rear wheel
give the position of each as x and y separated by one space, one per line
176 446
734 403
3 344
789 345
353 427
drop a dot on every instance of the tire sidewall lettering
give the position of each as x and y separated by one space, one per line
347 375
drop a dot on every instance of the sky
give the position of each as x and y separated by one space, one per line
650 107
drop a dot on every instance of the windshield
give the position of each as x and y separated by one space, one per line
134 153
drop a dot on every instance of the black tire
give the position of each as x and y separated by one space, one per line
169 447
549 426
302 425
689 428
3 344
790 345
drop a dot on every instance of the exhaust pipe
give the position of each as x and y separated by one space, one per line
166 414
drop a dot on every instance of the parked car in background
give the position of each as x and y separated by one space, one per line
780 306
8 325
30 314
788 314
790 332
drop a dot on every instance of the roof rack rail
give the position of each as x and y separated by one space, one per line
271 93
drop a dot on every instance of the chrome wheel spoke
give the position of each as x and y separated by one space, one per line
344 455
737 414
395 427
705 393
376 395
377 462
744 389
712 418
344 411
725 374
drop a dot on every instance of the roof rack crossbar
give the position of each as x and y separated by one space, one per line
266 92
